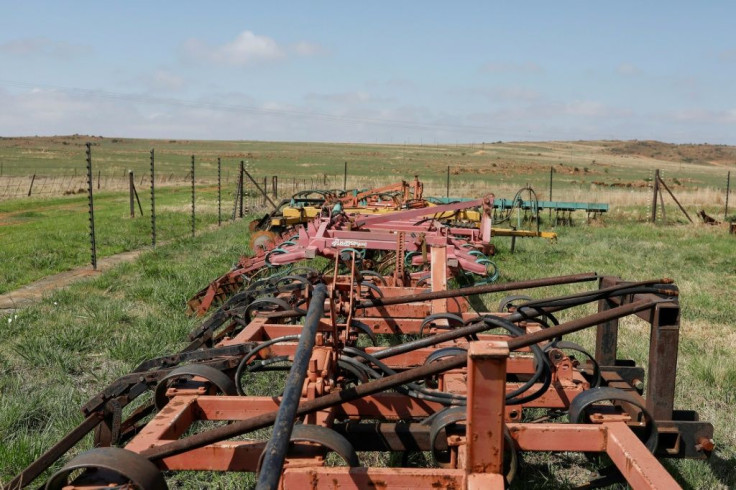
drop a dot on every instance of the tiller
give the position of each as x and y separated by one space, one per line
403 238
344 380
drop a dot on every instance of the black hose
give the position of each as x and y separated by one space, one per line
251 354
276 448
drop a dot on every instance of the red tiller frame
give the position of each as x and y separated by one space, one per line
486 376
327 235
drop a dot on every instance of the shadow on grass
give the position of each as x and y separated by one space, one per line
724 471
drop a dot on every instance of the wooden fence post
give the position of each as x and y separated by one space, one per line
30 189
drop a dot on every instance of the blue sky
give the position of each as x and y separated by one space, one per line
418 72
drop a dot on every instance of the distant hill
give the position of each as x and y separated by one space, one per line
704 154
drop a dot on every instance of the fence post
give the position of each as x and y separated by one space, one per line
238 183
193 208
551 172
131 185
448 181
153 200
241 191
345 178
655 191
90 199
275 186
261 190
728 190
219 193
33 179
265 189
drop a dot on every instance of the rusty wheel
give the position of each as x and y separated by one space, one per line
263 240
214 376
109 467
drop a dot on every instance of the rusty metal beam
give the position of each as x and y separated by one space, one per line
488 288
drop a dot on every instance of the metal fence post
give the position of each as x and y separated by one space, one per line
345 178
448 181
153 200
655 191
131 185
219 192
265 189
275 186
241 191
193 208
235 203
90 198
728 190
551 172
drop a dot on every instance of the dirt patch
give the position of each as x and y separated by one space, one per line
34 292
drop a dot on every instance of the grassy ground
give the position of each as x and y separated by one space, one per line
61 352
39 237
576 164
43 235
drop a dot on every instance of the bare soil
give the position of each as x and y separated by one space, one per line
36 291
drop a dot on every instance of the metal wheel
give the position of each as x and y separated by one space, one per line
216 377
586 403
110 467
325 437
374 275
269 304
510 301
453 321
448 419
595 377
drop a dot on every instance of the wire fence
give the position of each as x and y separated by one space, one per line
44 215
16 187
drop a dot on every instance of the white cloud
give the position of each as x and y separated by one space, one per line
246 49
586 108
46 111
706 116
628 69
165 80
347 98
506 94
43 46
304 48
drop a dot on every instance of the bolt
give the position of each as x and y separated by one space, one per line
705 444
638 384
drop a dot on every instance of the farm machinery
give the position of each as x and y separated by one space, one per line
305 206
400 239
377 371
471 389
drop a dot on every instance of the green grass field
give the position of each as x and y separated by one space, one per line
577 164
39 237
59 353
48 232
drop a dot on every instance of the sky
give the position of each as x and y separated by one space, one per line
374 72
